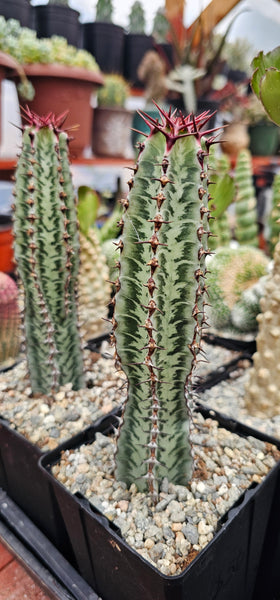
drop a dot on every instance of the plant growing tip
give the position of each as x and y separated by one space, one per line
159 307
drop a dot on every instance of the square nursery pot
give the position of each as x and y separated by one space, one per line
225 569
25 483
136 45
17 9
105 41
57 19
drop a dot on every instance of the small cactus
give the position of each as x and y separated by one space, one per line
246 230
9 318
104 11
274 218
136 18
263 387
46 247
231 272
114 92
222 194
159 305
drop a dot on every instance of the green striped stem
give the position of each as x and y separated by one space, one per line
46 246
159 304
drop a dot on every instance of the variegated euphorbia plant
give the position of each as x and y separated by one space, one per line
160 301
46 247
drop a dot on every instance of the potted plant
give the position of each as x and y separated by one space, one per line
157 325
57 18
61 76
17 9
112 121
104 39
137 43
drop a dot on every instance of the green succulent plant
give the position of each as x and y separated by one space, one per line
23 44
232 273
104 11
274 217
46 248
246 229
136 18
114 92
159 305
222 195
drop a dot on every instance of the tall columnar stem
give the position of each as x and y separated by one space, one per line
159 306
46 246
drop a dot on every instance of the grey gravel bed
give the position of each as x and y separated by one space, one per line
46 422
170 534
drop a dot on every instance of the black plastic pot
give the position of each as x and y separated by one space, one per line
41 557
135 46
17 9
224 570
105 41
25 483
55 19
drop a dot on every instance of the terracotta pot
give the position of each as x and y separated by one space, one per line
59 88
7 264
111 132
235 138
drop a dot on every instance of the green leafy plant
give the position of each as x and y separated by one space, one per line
46 245
114 92
159 305
265 82
104 11
136 18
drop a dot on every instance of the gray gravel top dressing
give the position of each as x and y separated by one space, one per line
170 534
184 521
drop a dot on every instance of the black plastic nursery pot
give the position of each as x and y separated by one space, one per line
225 569
135 46
25 483
105 41
17 9
56 19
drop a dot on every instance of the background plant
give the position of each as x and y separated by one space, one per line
114 92
274 217
159 306
222 195
136 18
104 11
46 247
24 45
246 229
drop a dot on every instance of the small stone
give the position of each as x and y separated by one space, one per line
176 527
203 528
178 516
200 487
149 543
123 505
190 532
157 551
